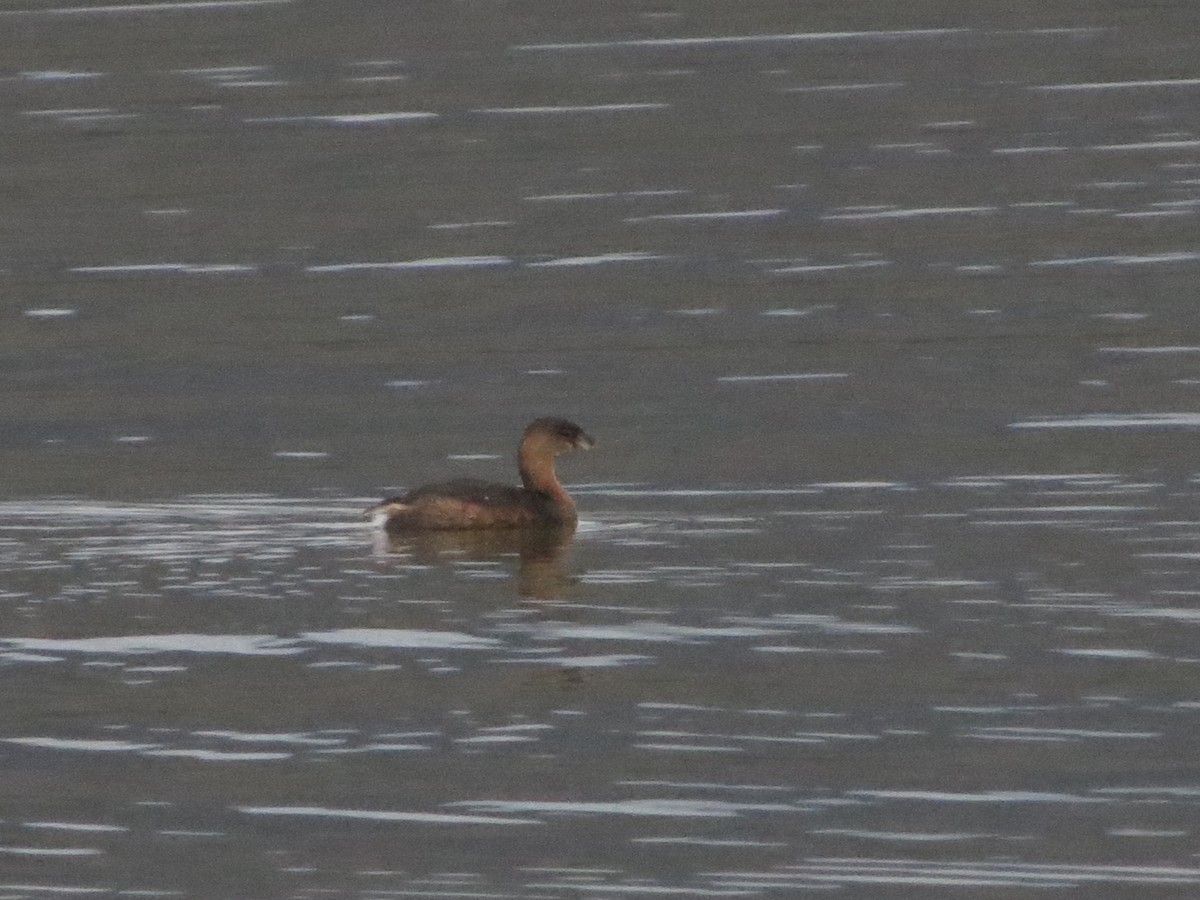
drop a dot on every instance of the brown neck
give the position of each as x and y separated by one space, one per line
535 462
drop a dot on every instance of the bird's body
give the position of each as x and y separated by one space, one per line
468 503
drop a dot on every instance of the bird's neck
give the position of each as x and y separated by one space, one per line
536 465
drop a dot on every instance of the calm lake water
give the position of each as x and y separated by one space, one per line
887 577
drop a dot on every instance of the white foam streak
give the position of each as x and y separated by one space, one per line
652 632
909 213
297 739
795 376
703 809
602 195
1103 420
1020 151
745 39
710 216
569 110
46 743
371 815
58 75
600 259
909 836
1173 348
1017 733
975 797
401 638
838 88
168 268
119 8
1118 85
1121 653
483 223
77 826
203 755
804 269
378 118
827 871
234 644
1148 145
433 262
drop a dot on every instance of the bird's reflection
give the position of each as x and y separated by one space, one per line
541 553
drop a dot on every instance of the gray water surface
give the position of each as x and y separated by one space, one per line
884 317
984 682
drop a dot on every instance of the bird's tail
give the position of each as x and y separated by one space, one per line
381 512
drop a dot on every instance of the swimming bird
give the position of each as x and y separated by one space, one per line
468 503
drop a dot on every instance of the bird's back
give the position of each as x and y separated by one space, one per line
471 503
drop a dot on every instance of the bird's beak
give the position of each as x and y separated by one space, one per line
584 442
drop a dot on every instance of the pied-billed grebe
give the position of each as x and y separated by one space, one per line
469 503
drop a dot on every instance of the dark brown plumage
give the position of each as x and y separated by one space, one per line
470 503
